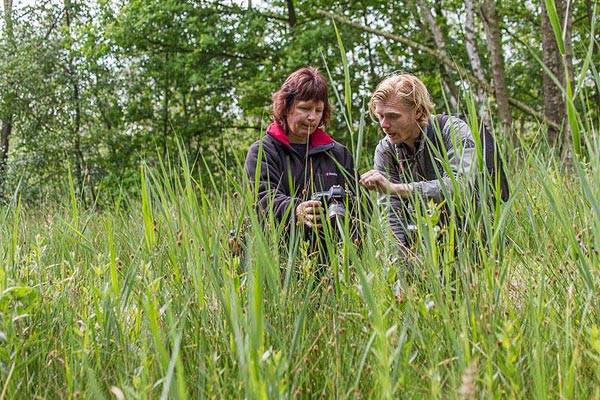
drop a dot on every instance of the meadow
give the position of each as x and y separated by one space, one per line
145 298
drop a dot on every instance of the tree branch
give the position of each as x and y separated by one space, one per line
449 62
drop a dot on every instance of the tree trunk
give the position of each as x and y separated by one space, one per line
590 15
471 46
491 25
166 101
7 115
554 87
440 42
554 101
80 170
372 75
565 14
4 141
291 13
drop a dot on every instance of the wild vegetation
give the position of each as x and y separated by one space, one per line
124 282
146 299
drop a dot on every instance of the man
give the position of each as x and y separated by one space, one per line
407 167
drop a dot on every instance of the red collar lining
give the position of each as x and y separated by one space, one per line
318 137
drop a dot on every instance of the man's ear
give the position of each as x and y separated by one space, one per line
418 114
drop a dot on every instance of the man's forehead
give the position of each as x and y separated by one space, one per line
390 105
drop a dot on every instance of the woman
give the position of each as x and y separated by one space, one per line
297 158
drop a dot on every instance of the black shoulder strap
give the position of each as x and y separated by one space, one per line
442 119
431 166
490 149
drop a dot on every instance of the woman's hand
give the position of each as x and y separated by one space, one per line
374 180
309 213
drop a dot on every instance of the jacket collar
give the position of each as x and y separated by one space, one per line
402 152
316 139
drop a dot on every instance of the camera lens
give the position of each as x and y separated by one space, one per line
336 210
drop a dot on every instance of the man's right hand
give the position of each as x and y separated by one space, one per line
374 180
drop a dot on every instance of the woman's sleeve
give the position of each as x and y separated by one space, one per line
265 175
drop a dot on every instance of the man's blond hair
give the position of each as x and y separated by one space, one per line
409 90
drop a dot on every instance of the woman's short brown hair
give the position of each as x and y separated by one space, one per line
407 88
304 84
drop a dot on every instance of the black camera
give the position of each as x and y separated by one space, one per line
334 200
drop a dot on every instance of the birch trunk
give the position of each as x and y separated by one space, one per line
489 18
441 46
471 46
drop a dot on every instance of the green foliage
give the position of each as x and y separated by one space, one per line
118 82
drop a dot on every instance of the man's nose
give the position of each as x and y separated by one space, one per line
384 123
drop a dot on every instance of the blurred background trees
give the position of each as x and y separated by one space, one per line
98 87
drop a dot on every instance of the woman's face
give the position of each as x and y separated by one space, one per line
304 119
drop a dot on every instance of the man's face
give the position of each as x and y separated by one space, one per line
399 124
303 119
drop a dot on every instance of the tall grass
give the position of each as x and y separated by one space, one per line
146 299
110 307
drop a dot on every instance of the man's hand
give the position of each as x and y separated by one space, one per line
309 213
374 180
